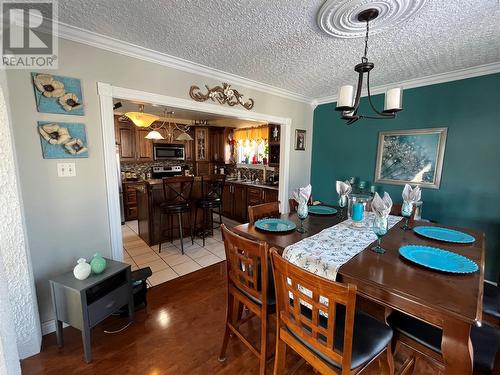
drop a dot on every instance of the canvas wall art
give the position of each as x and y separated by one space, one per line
62 140
57 94
411 156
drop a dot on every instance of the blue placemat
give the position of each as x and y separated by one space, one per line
444 234
438 259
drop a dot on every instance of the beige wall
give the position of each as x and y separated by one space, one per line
66 218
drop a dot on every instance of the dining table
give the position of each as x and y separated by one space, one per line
449 301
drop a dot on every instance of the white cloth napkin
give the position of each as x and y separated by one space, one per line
382 206
301 195
343 188
411 194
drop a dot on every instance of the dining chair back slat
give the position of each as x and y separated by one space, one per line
262 211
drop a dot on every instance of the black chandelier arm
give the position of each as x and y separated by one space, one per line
358 93
383 115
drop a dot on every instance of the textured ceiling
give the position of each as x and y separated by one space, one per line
279 42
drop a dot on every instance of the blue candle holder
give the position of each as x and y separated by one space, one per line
357 212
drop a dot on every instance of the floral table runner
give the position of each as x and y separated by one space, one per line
323 253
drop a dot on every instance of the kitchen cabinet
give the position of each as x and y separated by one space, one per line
217 154
202 168
126 139
130 199
201 144
274 145
189 147
143 146
236 198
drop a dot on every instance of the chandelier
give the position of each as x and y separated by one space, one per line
348 105
169 127
141 119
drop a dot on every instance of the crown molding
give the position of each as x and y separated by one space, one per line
107 43
454 75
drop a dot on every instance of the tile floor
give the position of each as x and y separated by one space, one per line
170 263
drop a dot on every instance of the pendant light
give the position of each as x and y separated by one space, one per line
141 119
155 135
348 105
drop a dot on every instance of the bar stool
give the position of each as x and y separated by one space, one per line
211 199
176 201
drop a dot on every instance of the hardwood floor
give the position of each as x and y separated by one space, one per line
179 333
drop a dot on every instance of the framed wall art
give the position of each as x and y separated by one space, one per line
57 94
63 140
300 139
411 156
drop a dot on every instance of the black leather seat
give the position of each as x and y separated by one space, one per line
370 336
491 300
485 339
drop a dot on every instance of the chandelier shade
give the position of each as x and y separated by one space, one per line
153 134
184 137
141 119
349 98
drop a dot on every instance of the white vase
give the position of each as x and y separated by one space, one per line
82 269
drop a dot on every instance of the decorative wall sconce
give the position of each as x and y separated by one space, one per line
224 94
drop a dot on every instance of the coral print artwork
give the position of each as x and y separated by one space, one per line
57 94
61 140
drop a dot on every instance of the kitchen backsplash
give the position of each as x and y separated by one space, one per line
140 169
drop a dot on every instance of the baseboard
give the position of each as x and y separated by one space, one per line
50 326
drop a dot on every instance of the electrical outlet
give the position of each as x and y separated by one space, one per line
66 170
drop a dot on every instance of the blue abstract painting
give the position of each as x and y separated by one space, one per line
411 156
63 140
57 94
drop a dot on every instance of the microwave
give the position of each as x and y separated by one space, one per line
166 151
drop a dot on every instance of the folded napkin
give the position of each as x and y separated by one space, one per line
411 195
301 195
343 188
382 206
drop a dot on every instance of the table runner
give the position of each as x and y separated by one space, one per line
323 253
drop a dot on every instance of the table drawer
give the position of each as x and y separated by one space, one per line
108 304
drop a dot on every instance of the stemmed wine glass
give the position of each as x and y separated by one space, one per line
302 212
406 211
380 229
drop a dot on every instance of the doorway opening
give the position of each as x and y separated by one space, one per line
130 158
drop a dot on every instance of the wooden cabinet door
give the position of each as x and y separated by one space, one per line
144 147
130 201
189 147
217 144
202 168
201 144
270 195
240 203
228 200
126 135
254 196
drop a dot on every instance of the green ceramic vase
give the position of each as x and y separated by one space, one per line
98 264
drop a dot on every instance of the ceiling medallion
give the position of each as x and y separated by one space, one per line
224 94
340 19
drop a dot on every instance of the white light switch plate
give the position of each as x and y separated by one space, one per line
66 170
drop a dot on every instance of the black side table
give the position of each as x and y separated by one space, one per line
85 303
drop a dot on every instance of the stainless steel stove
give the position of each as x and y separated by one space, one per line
166 171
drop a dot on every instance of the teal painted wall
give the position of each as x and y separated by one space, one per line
469 195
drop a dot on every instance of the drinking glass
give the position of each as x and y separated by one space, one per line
380 229
406 211
343 201
302 212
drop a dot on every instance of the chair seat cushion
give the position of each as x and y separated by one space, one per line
172 208
485 339
491 300
209 203
370 336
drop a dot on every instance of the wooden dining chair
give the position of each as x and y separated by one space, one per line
425 339
249 284
294 204
262 211
317 318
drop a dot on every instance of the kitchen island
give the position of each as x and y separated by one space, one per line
237 196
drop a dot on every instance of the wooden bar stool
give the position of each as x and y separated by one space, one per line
317 318
176 201
211 199
249 284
